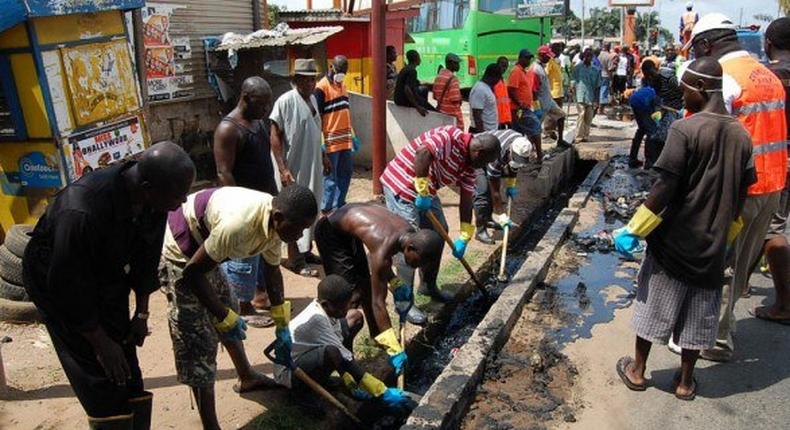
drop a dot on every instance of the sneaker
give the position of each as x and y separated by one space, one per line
482 235
672 346
416 316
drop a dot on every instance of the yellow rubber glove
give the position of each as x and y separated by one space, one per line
349 381
656 116
389 341
394 284
643 222
510 182
372 385
735 230
421 186
228 323
467 231
281 314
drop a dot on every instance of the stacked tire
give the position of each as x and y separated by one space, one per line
15 305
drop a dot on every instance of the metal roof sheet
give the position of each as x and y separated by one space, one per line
280 36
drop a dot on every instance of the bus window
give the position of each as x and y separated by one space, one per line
500 7
440 15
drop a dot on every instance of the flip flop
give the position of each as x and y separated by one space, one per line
258 321
761 314
690 396
622 365
303 270
265 383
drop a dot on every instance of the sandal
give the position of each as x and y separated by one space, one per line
762 313
258 321
690 396
622 366
302 270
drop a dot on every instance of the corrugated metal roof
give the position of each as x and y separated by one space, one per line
13 12
284 37
318 16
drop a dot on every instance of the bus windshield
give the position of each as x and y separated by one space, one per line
499 7
440 15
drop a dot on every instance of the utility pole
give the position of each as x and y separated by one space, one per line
378 29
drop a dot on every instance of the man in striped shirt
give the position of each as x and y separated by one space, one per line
447 90
439 157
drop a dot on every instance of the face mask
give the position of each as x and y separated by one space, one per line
339 77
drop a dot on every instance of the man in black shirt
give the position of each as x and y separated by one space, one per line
408 91
688 220
776 248
670 101
243 155
100 239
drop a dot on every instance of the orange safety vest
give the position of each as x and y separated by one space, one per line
502 103
760 108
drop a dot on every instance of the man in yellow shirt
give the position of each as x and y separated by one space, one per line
554 70
215 225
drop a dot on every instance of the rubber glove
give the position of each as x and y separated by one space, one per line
734 231
511 190
538 113
356 391
626 239
397 356
656 116
503 220
281 314
423 201
355 144
459 246
232 328
392 397
403 296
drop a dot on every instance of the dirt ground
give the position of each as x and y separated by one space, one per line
39 396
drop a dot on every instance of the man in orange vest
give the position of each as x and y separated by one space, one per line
756 97
502 97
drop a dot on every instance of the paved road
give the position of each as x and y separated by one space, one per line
751 392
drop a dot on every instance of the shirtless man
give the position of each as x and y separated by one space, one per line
342 237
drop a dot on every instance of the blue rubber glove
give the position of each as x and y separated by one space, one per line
355 144
511 192
404 300
539 113
459 248
423 203
237 333
398 362
395 398
626 243
282 345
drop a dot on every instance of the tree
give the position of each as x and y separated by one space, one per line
649 24
785 6
569 26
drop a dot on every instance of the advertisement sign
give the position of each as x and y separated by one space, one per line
37 170
101 80
159 62
102 146
631 3
161 52
541 8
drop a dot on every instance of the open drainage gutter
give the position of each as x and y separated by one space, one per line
444 404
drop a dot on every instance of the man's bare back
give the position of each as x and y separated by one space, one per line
377 227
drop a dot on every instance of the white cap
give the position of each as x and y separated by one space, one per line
711 21
519 152
689 5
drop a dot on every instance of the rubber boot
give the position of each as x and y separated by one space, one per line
141 408
416 316
435 293
118 422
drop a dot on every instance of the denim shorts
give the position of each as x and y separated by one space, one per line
243 276
528 124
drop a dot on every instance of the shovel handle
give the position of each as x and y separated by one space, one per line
402 376
505 233
439 229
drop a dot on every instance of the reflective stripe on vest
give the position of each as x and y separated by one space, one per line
760 109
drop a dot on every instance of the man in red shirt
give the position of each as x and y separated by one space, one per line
447 90
521 88
437 158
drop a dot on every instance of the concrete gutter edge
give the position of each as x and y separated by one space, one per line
446 401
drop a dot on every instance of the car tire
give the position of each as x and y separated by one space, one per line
18 312
13 292
10 266
17 238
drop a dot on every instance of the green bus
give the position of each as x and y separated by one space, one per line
478 31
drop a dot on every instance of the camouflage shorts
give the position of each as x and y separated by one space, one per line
195 340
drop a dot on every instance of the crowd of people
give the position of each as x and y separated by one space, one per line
716 133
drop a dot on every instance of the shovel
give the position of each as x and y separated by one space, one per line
439 229
502 276
315 386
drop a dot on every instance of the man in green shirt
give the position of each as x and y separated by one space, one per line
586 84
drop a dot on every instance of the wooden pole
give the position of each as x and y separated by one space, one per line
502 276
439 229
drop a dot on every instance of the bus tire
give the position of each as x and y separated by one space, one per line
17 238
13 292
18 312
10 266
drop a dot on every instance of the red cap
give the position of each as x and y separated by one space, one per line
545 49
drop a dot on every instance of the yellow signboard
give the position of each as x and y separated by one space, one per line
101 80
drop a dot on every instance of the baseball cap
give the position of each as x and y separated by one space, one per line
525 53
519 152
546 49
711 21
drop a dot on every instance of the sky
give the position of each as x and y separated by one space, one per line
669 10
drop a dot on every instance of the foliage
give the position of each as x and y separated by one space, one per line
274 14
605 22
785 6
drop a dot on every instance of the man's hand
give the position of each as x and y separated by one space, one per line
286 178
138 331
422 111
503 220
232 328
327 165
111 357
282 345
